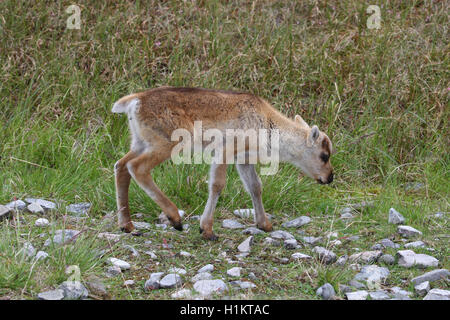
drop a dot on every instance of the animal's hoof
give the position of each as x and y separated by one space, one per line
267 227
210 236
127 228
178 226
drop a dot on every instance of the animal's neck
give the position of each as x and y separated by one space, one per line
292 138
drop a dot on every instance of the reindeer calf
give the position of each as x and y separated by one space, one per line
155 114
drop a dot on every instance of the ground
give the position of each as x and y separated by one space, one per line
380 94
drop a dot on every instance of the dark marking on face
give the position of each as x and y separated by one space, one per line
324 157
326 146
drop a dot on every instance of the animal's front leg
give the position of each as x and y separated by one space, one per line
217 178
253 185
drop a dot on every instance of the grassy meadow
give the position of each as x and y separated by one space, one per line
381 95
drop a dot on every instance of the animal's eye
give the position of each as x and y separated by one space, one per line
324 157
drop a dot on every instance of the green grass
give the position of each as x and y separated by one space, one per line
381 95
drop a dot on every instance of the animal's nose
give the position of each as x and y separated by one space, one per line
330 178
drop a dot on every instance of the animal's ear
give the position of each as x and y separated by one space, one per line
313 135
300 121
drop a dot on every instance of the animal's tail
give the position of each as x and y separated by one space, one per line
124 104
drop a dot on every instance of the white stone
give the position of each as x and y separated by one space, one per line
182 294
437 294
46 205
123 265
109 236
57 294
73 290
35 208
395 217
408 231
41 222
41 255
202 276
325 256
366 256
252 231
234 272
415 244
245 213
139 225
300 256
5 212
209 287
153 282
408 259
17 205
177 271
79 209
297 222
232 224
422 288
290 244
281 234
170 281
245 246
185 254
129 283
373 275
207 268
431 276
357 295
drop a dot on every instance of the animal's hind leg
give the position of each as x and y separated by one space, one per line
217 178
122 177
253 185
140 168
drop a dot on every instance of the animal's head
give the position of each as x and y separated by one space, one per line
316 153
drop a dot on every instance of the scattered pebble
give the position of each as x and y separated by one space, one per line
342 260
153 282
300 256
41 222
387 243
208 287
57 294
432 276
422 288
232 224
46 205
151 254
182 294
202 276
312 240
387 259
408 259
207 268
379 295
62 236
366 256
109 236
179 271
373 275
123 265
5 212
415 244
140 225
128 283
245 246
297 222
357 295
290 244
252 231
35 208
17 205
113 271
437 294
41 255
280 234
408 232
244 213
395 217
325 256
79 209
234 272
73 290
271 241
326 291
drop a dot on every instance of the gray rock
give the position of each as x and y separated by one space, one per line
377 247
271 241
123 265
139 225
41 255
300 256
113 271
245 285
62 236
252 231
437 294
245 246
387 259
46 205
201 276
342 260
162 226
422 288
346 216
356 284
35 208
432 276
73 290
379 295
399 293
297 222
395 217
408 259
353 238
357 295
182 294
373 275
232 224
96 287
408 232
57 294
209 287
290 244
179 271
5 212
153 282
234 272
326 291
344 289
312 240
17 205
366 256
185 254
387 243
207 268
325 256
79 209
28 249
414 186
41 222
280 234
415 244
128 283
151 254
